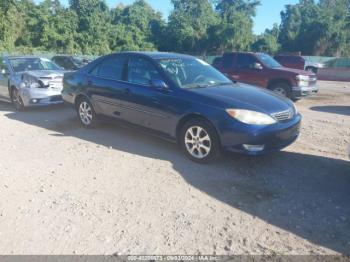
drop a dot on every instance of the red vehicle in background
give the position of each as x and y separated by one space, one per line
298 62
262 70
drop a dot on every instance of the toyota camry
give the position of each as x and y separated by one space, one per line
184 99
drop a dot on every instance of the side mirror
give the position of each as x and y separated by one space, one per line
159 84
258 66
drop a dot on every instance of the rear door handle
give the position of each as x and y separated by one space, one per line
89 81
155 101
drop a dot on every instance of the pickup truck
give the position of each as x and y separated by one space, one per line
262 70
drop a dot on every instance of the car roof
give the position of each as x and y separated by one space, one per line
64 56
245 53
286 55
158 55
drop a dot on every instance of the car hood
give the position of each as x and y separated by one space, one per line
295 71
242 96
52 74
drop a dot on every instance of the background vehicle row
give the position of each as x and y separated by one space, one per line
30 81
262 70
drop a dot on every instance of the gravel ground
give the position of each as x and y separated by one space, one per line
111 190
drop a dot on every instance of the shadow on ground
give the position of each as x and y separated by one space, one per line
339 110
304 194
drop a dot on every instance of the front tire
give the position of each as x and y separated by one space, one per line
199 141
16 100
86 113
282 89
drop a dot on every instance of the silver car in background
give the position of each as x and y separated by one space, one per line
30 81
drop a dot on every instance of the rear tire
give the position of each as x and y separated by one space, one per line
199 141
282 89
86 113
16 100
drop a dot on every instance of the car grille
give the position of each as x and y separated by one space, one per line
313 78
284 115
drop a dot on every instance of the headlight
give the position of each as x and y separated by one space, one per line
33 85
251 117
303 78
303 81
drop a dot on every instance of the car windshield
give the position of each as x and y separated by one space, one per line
269 61
31 64
192 73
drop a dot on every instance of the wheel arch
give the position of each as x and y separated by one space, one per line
274 81
78 98
10 88
192 116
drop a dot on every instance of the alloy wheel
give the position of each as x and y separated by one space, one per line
198 142
280 90
85 113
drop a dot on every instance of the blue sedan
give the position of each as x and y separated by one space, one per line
183 99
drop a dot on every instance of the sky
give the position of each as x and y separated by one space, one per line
268 12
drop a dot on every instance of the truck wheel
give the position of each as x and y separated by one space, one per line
281 89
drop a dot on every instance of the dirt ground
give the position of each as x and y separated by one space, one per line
112 190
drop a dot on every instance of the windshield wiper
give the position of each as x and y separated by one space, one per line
195 86
207 85
224 83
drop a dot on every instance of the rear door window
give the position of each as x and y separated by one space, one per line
228 61
280 59
245 61
294 59
111 68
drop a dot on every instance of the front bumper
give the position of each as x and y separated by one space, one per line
272 138
40 97
299 92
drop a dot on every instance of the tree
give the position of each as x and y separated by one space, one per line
188 26
316 28
235 30
10 24
139 27
268 41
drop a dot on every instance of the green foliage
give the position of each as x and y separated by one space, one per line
267 42
320 28
198 27
188 26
